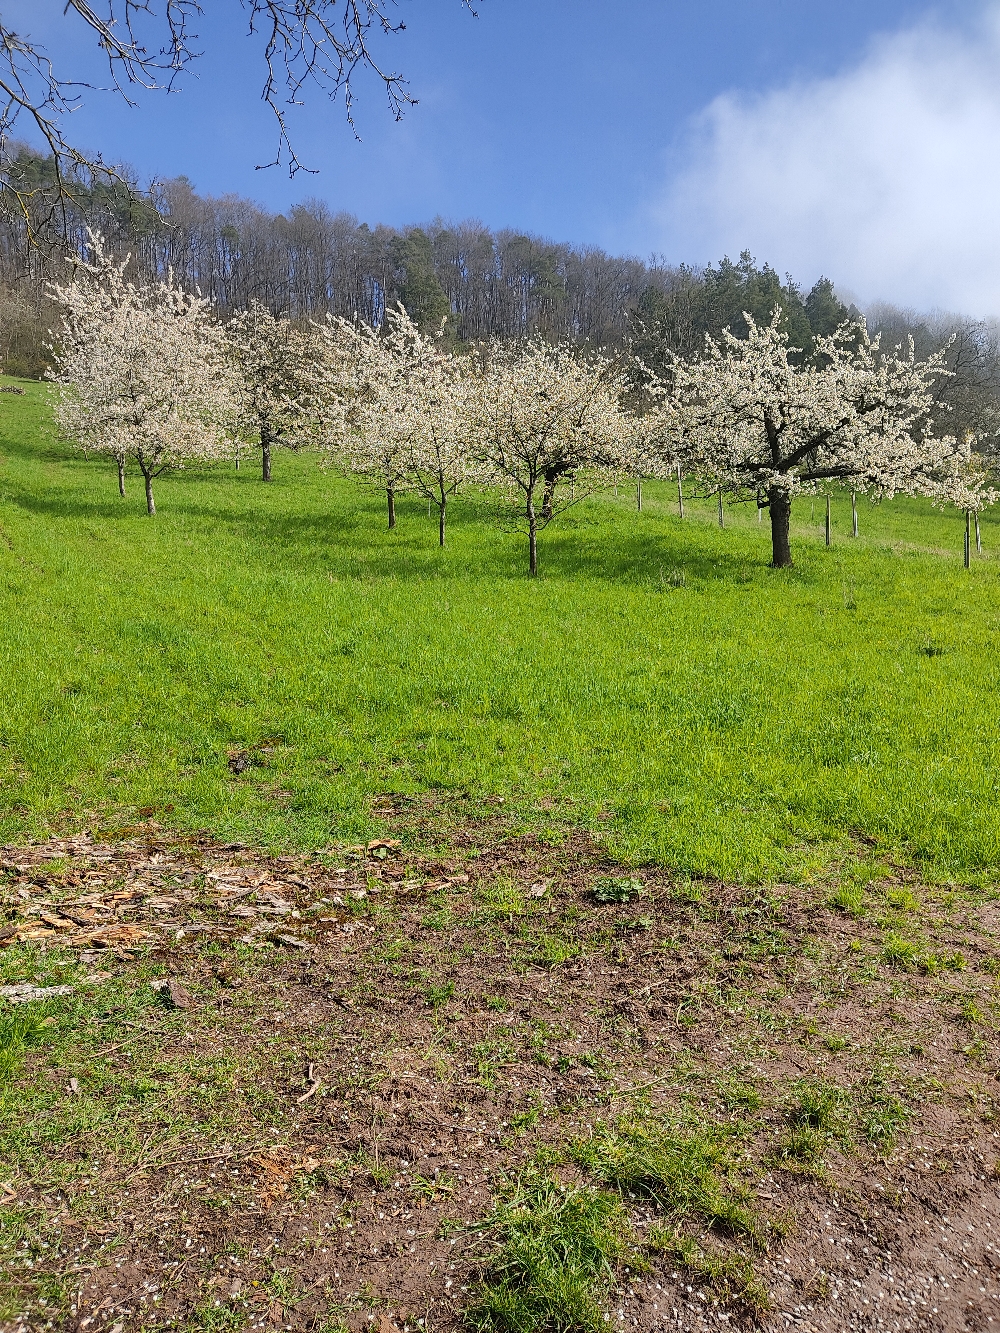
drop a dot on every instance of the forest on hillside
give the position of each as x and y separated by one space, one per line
487 284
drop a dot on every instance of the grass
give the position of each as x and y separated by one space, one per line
270 664
682 1174
557 1253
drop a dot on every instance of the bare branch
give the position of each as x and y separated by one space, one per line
319 45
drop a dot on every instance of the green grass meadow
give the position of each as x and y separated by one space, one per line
659 683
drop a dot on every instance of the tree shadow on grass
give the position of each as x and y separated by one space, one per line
347 537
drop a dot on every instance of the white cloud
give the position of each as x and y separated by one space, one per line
885 177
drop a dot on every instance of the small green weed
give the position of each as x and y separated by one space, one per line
490 1057
524 1120
429 1187
18 1031
503 898
803 1145
214 1317
818 1105
738 1096
606 889
903 899
688 891
553 951
849 898
902 953
882 1117
557 1250
437 996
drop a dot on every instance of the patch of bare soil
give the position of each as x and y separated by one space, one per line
295 1085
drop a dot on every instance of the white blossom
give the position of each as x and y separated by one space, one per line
407 419
140 370
750 420
279 373
548 415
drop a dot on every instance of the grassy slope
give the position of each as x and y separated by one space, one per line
658 682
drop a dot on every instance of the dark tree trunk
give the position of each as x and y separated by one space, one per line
150 502
548 496
532 537
442 511
390 500
265 452
121 475
780 505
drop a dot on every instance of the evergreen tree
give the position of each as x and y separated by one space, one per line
420 291
824 310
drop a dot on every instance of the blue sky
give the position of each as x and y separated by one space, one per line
621 126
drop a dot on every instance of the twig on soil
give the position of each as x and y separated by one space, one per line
643 1087
193 1161
316 1085
654 985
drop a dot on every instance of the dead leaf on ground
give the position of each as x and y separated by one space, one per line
179 997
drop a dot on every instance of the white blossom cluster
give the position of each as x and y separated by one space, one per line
750 420
141 370
526 418
146 372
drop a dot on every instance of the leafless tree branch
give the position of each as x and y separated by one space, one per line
149 45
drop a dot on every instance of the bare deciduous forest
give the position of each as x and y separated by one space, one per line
489 284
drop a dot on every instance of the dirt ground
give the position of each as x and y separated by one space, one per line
340 1059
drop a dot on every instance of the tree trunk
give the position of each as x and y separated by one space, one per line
638 495
532 538
150 502
780 505
548 497
265 452
442 511
121 475
979 536
680 493
854 513
722 515
390 500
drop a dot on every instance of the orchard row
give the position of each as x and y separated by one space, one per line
146 373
